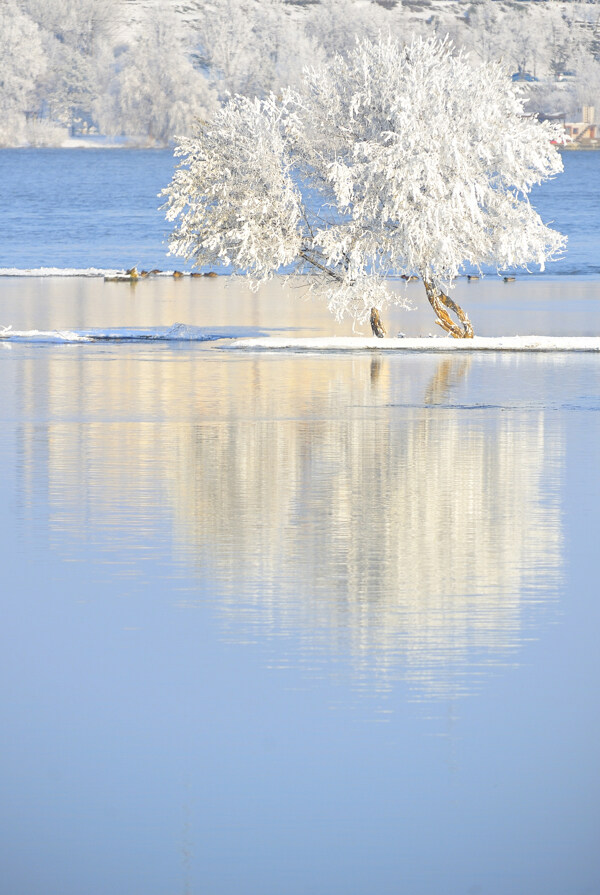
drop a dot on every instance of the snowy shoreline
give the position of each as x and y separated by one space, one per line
244 338
371 343
234 338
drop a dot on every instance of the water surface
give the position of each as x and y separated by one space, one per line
99 208
287 624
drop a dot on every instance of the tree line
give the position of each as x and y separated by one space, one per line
146 70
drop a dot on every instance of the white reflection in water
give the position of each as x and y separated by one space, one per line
347 503
410 538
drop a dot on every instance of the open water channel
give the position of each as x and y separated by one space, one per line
278 623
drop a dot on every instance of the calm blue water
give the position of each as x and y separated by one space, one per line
298 624
99 208
83 208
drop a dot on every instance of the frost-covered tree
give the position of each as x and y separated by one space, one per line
334 25
392 161
156 92
76 35
22 60
250 47
484 32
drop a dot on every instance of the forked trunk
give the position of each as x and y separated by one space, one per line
439 302
376 324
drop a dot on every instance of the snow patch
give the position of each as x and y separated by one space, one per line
479 343
57 272
7 334
179 332
106 273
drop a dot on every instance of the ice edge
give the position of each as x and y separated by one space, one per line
479 343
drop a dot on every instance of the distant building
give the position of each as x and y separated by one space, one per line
584 132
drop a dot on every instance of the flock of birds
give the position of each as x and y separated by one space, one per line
133 274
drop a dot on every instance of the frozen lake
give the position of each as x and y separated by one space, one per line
290 624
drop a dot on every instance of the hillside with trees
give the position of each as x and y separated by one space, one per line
145 71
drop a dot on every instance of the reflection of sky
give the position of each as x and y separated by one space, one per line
172 726
355 502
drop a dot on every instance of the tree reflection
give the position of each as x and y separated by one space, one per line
412 535
345 500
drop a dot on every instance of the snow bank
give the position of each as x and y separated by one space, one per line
179 332
8 334
106 273
57 272
237 338
479 343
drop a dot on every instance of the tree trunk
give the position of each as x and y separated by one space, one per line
439 302
376 324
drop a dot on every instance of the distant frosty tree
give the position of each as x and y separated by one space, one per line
484 32
157 92
392 161
22 60
587 90
250 47
334 25
76 35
